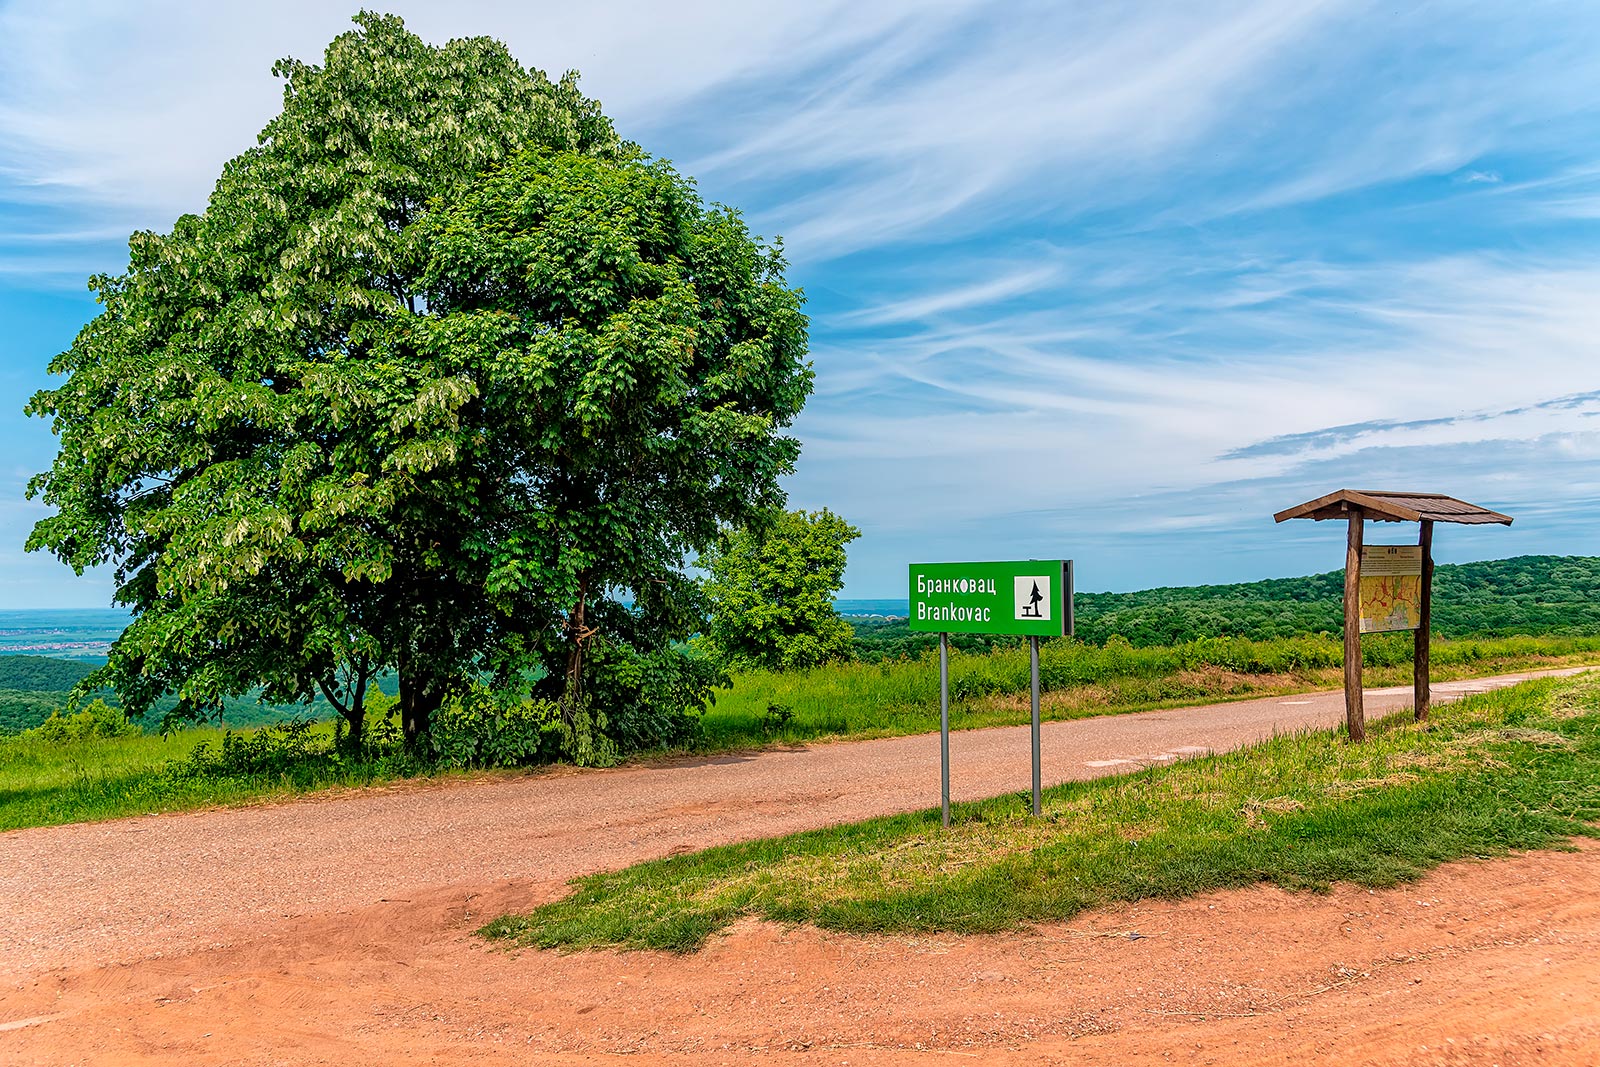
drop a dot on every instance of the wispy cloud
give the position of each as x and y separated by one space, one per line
140 107
1332 438
1071 423
977 294
1079 104
1070 266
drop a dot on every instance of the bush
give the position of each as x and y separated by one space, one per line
651 700
493 728
270 752
97 719
776 718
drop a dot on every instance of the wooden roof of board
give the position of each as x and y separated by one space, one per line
1384 506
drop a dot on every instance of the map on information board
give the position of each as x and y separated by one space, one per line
1391 588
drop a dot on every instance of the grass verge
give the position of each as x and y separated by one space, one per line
900 697
46 783
1512 770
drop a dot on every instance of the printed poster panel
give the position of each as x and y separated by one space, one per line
1391 588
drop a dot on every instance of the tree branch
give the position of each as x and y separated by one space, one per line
340 708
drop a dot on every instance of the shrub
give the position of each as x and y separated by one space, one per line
777 717
494 728
270 752
651 699
96 719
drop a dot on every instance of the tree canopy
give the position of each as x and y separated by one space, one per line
444 373
771 589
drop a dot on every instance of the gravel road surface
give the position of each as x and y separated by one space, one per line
155 885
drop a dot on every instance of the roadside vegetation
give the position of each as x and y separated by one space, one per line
103 770
897 697
96 765
769 606
1512 770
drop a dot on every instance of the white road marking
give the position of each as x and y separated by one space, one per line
1160 757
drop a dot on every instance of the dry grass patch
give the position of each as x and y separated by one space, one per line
1254 811
1528 734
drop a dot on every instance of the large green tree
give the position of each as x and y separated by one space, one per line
771 586
442 376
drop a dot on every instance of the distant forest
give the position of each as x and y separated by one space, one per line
1525 595
31 687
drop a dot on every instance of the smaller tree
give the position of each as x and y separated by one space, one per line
771 589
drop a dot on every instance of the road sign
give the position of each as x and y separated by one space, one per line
1023 597
1032 598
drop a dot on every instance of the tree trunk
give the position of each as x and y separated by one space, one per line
418 701
354 716
572 691
356 719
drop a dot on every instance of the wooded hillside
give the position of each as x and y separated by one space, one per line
1530 595
1524 595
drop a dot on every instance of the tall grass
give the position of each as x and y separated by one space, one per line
46 783
902 696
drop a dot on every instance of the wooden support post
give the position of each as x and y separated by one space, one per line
1420 656
1354 714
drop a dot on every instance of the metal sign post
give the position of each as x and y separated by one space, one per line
944 726
1029 598
1033 672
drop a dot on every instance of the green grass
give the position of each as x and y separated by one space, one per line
899 697
42 783
46 784
1512 770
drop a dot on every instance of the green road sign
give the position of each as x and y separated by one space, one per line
1028 597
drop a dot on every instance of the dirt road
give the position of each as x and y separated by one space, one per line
338 929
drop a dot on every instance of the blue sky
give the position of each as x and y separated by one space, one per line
1106 281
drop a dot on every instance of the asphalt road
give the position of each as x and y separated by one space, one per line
119 891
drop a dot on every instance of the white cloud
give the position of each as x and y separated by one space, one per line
1013 283
1052 238
1472 344
1071 101
900 119
139 107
